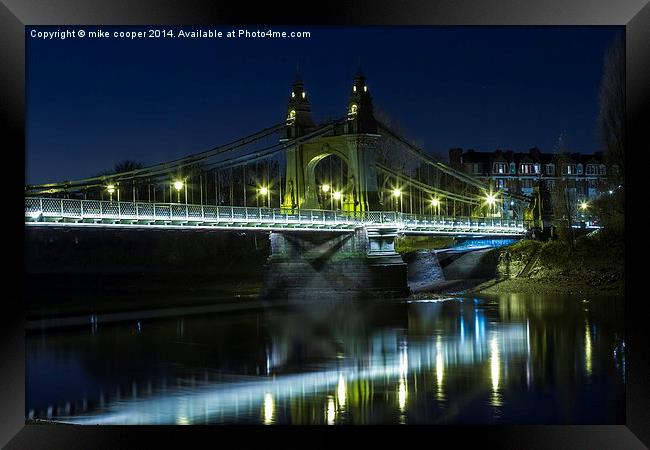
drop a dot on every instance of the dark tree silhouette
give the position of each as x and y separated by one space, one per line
563 204
610 206
611 118
127 166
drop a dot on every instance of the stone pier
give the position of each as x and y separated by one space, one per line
362 264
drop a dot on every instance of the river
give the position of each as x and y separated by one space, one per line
514 359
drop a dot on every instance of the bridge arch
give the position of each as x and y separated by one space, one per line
336 179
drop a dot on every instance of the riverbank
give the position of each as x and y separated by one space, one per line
595 266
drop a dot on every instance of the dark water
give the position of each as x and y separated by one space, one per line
513 359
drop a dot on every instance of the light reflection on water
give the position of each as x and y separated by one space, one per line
515 360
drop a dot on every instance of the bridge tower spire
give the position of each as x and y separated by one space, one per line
360 110
299 120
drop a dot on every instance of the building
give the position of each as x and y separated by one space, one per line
534 171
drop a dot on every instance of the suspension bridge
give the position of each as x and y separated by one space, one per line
339 176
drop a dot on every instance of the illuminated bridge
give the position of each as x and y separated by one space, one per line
96 213
349 185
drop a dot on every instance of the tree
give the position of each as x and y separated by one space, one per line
611 117
127 188
610 206
127 166
562 202
394 155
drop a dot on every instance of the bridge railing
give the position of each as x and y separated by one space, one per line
419 221
37 209
114 210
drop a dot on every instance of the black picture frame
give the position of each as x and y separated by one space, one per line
16 14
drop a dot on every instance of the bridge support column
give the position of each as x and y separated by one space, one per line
334 266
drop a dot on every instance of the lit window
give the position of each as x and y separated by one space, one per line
525 168
579 168
536 166
499 168
354 88
292 115
513 168
365 89
293 95
353 108
303 95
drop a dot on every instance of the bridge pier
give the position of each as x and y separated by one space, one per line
360 264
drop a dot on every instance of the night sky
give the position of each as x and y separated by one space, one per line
94 102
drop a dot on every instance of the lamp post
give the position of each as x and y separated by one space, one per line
326 188
264 192
336 196
584 206
110 189
397 193
178 185
491 200
436 206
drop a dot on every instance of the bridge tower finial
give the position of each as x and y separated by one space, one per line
299 119
360 110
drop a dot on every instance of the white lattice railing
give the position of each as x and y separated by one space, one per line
53 209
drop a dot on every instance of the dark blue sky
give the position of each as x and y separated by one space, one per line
92 102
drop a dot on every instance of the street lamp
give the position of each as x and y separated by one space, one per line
584 205
336 195
326 188
110 189
436 205
264 192
178 185
491 200
397 193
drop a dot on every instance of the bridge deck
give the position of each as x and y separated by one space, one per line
96 213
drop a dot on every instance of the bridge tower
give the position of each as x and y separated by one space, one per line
354 142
